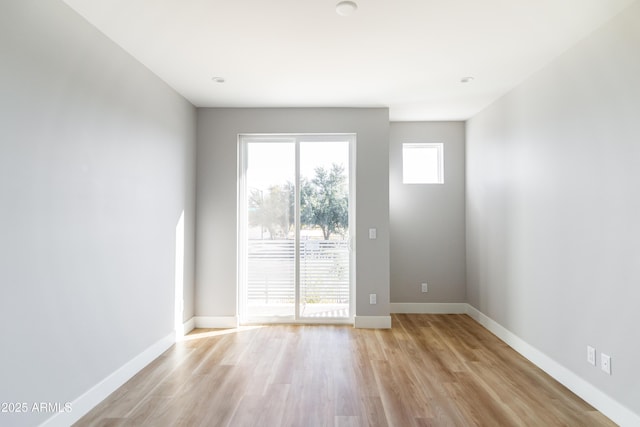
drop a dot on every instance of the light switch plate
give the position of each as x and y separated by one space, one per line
591 355
373 233
605 363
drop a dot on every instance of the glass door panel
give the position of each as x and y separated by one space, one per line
324 229
270 231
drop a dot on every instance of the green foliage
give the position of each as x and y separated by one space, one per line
324 201
270 209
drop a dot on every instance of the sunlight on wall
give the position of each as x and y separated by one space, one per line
179 281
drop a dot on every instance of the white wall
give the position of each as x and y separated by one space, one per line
96 167
553 208
218 130
427 220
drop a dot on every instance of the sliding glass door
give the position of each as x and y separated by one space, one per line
295 228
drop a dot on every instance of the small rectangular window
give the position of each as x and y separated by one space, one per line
423 163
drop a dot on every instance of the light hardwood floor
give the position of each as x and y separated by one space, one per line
429 370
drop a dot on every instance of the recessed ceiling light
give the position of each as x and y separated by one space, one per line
466 79
346 8
218 79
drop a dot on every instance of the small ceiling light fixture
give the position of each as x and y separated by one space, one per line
466 79
346 8
218 79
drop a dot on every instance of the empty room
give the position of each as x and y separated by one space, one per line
319 213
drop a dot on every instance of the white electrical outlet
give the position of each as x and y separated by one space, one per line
373 233
372 298
591 355
605 363
425 287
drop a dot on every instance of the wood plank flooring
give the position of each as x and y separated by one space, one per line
429 370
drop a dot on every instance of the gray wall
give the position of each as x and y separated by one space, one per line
96 166
216 245
553 208
427 221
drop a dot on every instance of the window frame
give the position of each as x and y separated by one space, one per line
410 179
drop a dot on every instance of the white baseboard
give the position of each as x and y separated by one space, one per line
429 308
216 322
96 394
188 326
372 322
617 412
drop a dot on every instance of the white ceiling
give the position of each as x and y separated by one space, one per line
408 55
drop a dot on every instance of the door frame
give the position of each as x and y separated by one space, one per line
242 219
